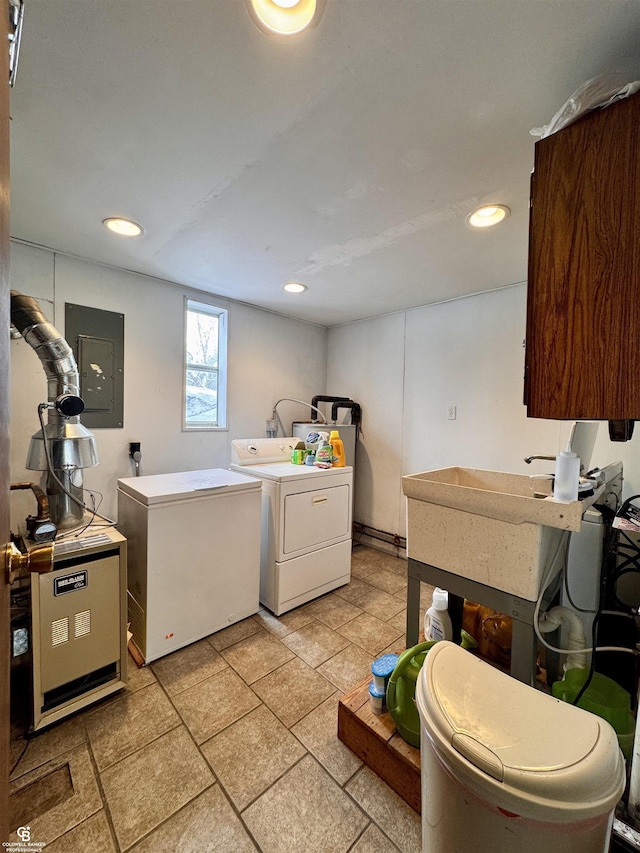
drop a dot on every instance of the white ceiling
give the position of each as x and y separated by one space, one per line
346 158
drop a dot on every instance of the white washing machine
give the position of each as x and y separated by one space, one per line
306 522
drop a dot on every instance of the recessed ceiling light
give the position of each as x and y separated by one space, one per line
294 287
285 17
123 227
487 215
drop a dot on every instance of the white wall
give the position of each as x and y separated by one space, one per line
407 369
269 357
404 369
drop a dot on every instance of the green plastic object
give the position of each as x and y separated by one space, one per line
603 697
467 641
401 692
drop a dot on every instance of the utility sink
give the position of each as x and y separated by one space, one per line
489 526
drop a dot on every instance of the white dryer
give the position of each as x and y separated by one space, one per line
306 522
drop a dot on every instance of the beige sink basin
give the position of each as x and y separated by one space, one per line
488 526
508 497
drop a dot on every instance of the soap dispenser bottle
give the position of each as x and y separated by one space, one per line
567 476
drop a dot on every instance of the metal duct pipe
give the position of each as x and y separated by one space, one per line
53 351
69 446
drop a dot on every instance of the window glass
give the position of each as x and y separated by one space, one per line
205 366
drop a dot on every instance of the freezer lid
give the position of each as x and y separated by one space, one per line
183 485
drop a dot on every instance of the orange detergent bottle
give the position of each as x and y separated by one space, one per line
337 447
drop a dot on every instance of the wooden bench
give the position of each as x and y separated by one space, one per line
375 740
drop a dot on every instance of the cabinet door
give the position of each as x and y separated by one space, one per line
583 303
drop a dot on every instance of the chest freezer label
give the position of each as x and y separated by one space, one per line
70 583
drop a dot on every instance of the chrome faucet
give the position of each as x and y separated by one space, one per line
529 459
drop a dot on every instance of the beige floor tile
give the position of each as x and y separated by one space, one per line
348 668
353 590
206 825
213 704
333 610
83 802
280 626
188 666
138 676
370 633
318 731
399 621
292 691
122 727
305 811
315 643
401 824
381 604
233 634
361 569
366 554
250 755
91 836
395 648
359 551
388 581
146 788
257 656
374 841
397 565
426 594
49 744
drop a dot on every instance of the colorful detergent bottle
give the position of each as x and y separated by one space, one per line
337 447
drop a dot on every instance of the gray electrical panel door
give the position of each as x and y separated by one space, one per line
97 340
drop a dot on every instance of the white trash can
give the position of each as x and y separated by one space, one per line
508 768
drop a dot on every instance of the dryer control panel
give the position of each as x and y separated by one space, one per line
261 451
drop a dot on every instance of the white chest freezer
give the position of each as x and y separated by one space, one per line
193 555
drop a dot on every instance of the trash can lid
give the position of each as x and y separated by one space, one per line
514 746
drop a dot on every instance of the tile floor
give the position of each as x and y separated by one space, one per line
230 744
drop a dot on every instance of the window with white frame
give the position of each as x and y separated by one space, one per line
205 374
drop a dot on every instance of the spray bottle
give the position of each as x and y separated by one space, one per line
324 454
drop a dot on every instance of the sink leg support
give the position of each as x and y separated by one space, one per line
413 610
524 651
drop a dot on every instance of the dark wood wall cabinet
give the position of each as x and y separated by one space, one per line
583 302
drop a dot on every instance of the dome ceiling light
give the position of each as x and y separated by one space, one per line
285 17
487 215
123 227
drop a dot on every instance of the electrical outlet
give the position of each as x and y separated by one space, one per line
451 413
